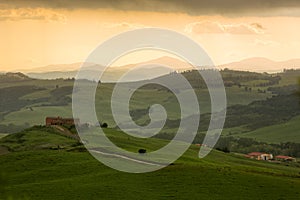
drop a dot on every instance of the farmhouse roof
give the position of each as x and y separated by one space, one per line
284 157
255 153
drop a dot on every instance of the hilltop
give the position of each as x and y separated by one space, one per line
260 64
13 77
37 138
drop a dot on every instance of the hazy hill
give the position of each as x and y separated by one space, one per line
262 65
110 75
152 69
54 67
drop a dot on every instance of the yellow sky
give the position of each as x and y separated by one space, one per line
37 36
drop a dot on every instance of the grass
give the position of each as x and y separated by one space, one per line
290 78
237 95
144 98
36 138
42 164
285 132
35 114
39 94
2 135
234 131
60 174
68 175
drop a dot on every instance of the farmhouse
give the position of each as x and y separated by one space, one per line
260 156
61 121
284 158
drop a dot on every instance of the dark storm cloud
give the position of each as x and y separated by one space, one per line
193 7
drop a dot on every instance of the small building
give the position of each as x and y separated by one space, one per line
259 156
285 158
61 121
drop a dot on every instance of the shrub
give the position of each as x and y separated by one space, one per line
104 125
142 151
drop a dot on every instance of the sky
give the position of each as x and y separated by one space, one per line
35 33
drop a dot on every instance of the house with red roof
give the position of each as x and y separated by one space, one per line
259 156
285 158
61 121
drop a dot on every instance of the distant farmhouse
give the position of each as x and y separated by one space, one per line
61 121
266 156
260 156
285 158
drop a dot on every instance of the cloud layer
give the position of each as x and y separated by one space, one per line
194 7
31 14
210 27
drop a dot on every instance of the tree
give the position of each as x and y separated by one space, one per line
104 125
142 151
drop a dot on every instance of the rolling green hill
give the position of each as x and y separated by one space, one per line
255 100
34 169
37 138
26 102
284 132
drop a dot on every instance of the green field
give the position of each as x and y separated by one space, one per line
285 132
32 171
2 135
35 113
290 77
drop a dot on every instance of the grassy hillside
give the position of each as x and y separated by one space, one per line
36 115
289 77
41 173
24 104
284 132
37 138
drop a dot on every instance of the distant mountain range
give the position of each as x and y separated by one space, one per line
262 65
153 68
143 71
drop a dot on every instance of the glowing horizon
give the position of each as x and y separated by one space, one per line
36 37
